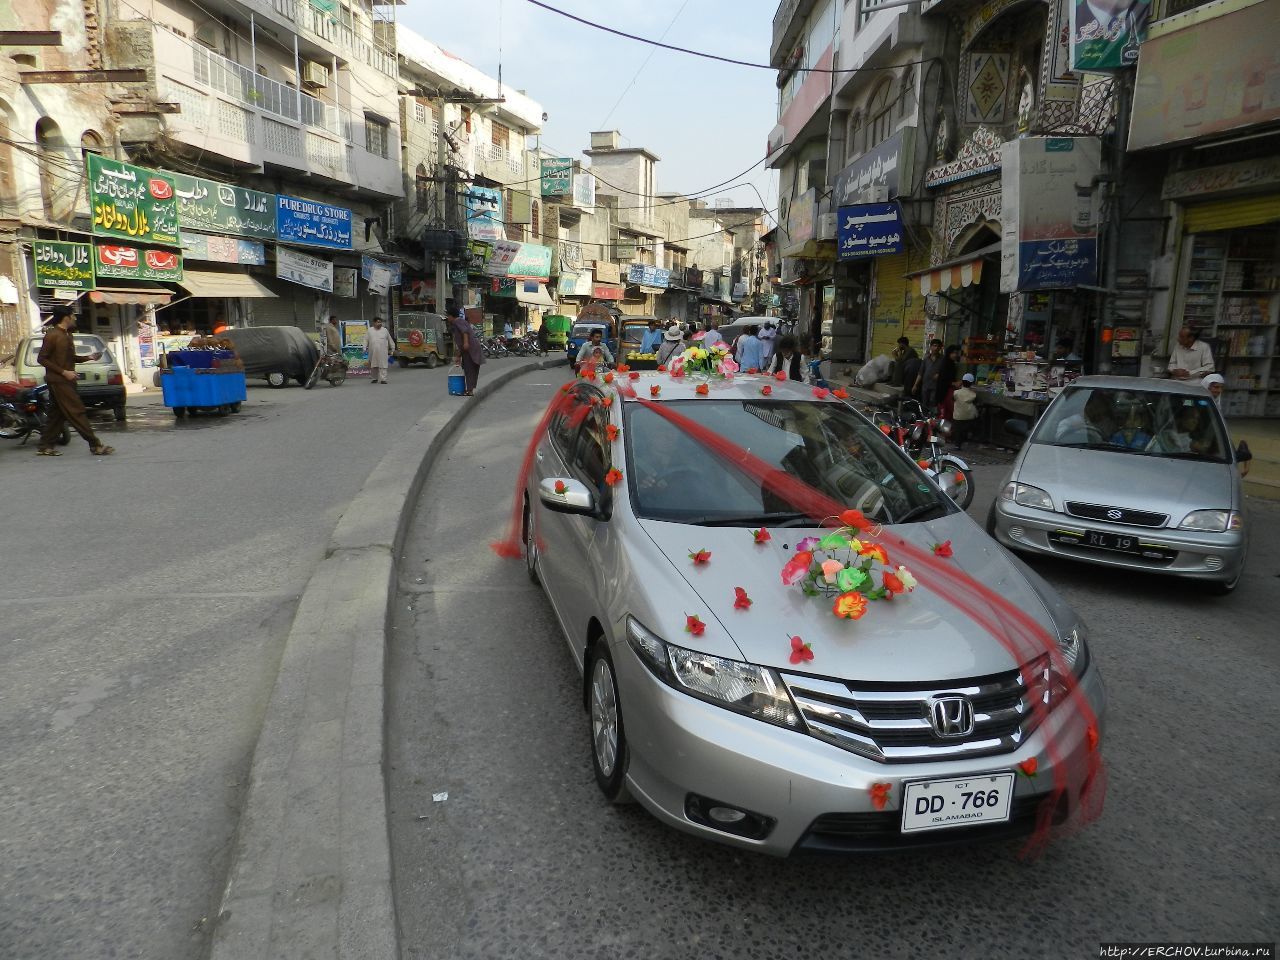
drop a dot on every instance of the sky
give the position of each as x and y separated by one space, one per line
708 121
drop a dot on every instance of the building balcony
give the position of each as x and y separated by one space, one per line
500 163
339 32
228 109
788 22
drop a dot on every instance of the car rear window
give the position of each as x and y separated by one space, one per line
85 344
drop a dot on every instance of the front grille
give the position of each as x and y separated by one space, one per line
1138 518
890 723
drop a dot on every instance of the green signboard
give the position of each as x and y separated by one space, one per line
132 203
119 261
221 208
557 176
63 266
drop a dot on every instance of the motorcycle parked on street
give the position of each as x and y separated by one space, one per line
25 411
921 438
331 367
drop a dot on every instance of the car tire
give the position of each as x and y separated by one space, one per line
179 412
433 361
277 379
119 413
609 753
530 546
991 520
404 362
1222 588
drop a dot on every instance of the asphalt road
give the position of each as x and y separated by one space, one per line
144 602
524 859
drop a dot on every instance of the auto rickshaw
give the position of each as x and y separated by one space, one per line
592 317
558 327
421 338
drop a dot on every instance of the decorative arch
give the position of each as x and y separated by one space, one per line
880 113
907 93
51 160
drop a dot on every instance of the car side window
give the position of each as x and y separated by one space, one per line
565 425
593 448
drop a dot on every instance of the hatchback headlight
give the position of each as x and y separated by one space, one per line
741 687
1025 495
1212 521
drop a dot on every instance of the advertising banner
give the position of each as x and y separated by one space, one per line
868 230
608 272
221 208
647 276
584 190
418 292
131 203
607 291
802 216
880 170
208 246
520 261
370 264
116 261
484 214
574 284
355 347
63 266
1105 34
312 224
557 176
1048 237
304 269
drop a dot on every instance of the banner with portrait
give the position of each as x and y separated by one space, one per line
1105 34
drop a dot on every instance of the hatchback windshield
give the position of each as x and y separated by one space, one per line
674 476
1147 423
85 345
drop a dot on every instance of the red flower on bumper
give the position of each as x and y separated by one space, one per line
1029 767
694 625
880 794
701 390
766 390
761 535
801 652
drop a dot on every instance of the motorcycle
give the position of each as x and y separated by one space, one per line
25 410
921 438
331 367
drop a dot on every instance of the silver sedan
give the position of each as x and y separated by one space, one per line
733 685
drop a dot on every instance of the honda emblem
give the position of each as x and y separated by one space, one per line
951 716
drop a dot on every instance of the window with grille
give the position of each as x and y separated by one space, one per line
499 135
376 135
881 112
419 111
535 225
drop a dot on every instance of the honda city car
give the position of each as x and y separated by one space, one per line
1131 473
742 690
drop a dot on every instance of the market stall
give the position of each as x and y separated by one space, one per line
203 378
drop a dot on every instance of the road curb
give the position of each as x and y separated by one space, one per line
310 874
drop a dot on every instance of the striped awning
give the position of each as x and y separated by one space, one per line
954 274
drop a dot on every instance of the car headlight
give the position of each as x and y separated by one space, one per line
1214 521
741 687
1025 495
1075 650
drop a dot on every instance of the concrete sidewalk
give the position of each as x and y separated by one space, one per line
311 871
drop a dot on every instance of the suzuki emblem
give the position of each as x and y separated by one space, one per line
952 716
1114 514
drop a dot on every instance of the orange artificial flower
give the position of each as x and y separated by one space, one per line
840 393
875 552
761 535
942 549
892 585
608 378
1029 767
611 432
606 401
850 606
623 368
699 556
880 794
654 390
701 390
853 518
613 477
821 392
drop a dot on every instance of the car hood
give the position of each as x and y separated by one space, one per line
914 638
1111 479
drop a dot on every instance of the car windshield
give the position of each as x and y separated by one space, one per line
585 330
85 345
1148 423
633 336
673 476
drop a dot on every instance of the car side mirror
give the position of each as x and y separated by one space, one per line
564 495
1019 428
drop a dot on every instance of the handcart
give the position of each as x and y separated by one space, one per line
196 382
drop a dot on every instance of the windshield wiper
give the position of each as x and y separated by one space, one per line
918 511
765 519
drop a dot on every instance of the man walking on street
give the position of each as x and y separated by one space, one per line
466 347
902 355
379 345
332 336
58 357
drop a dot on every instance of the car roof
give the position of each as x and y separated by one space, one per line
744 386
1149 384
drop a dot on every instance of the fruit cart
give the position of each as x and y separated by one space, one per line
203 381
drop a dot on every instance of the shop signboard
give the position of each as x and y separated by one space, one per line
63 266
868 230
648 276
310 223
209 246
876 175
344 282
118 261
1105 34
607 291
1212 75
574 284
522 261
1048 238
484 214
557 176
418 291
222 208
131 203
458 275
584 190
304 269
801 219
607 271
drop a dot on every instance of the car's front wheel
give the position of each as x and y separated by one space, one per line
530 545
608 738
1220 588
277 378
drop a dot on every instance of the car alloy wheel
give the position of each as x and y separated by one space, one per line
530 546
608 739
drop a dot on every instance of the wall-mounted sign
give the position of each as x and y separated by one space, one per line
484 214
63 266
221 208
878 171
868 230
607 272
304 269
369 264
1105 34
344 282
607 291
584 190
557 176
574 284
312 224
131 203
526 261
648 276
118 261
209 246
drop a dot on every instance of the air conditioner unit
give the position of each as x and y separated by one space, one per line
315 75
827 226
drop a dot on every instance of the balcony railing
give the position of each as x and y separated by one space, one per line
339 28
241 83
497 154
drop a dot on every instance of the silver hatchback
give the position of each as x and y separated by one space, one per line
733 685
1132 473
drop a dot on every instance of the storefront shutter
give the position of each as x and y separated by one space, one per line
1229 214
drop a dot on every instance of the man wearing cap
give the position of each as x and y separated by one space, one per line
59 359
672 343
964 412
1214 384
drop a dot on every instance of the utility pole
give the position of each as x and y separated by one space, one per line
444 292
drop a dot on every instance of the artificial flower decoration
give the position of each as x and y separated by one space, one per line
835 541
892 585
611 431
830 568
807 544
840 393
699 557
565 388
780 376
622 368
821 392
654 390
727 367
880 794
606 401
560 487
797 568
875 552
922 464
613 477
740 599
694 625
608 377
662 368
633 375
907 579
1091 737
761 535
886 429
850 606
753 370
853 518
588 372
801 652
942 549
766 390
701 390
1029 767
850 578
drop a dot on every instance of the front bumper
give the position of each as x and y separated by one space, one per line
816 795
1186 553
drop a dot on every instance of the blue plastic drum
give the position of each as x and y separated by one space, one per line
457 384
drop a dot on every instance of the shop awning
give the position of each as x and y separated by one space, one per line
538 297
124 295
209 283
954 274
